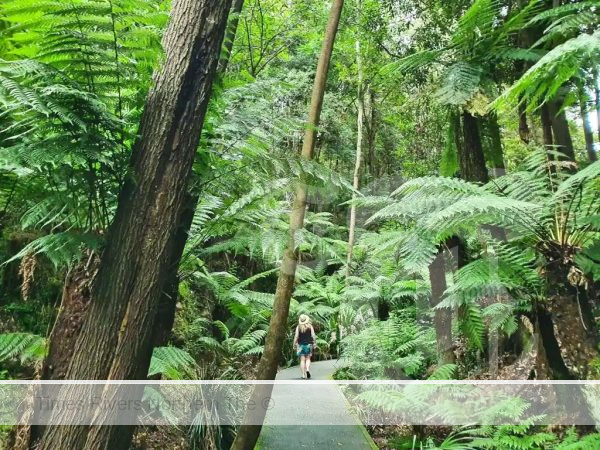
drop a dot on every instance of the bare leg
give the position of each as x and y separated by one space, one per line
303 366
307 363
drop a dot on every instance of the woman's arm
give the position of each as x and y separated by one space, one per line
295 337
312 333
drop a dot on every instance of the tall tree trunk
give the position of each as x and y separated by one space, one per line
168 303
371 132
232 26
167 306
546 126
524 131
267 367
587 125
597 92
471 158
442 316
359 142
116 336
496 153
560 130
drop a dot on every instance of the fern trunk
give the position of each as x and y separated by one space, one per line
524 131
116 336
560 130
566 327
267 368
496 153
547 138
471 158
442 316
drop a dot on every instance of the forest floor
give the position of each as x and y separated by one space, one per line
306 406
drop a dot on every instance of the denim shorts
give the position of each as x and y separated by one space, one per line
304 350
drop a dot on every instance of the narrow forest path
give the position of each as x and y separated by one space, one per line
319 411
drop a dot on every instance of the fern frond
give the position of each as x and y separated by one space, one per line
173 364
22 346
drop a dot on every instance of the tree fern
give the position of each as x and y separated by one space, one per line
543 80
62 249
173 364
22 346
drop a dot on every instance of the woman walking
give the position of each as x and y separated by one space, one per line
304 340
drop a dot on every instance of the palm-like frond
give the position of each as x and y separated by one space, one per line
22 346
543 80
173 364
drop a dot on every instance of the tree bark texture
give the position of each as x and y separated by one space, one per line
496 153
471 158
524 131
267 367
566 327
442 316
546 126
560 130
116 336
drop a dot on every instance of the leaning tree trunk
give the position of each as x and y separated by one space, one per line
116 336
470 157
267 367
168 303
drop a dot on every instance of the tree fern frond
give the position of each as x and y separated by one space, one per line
62 249
22 346
173 364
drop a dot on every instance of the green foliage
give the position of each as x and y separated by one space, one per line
62 249
527 437
25 347
589 260
390 349
173 364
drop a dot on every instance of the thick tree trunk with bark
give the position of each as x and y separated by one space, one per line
496 153
560 130
471 158
442 316
116 336
267 368
524 131
546 122
167 306
569 340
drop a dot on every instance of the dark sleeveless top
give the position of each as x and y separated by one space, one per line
304 337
